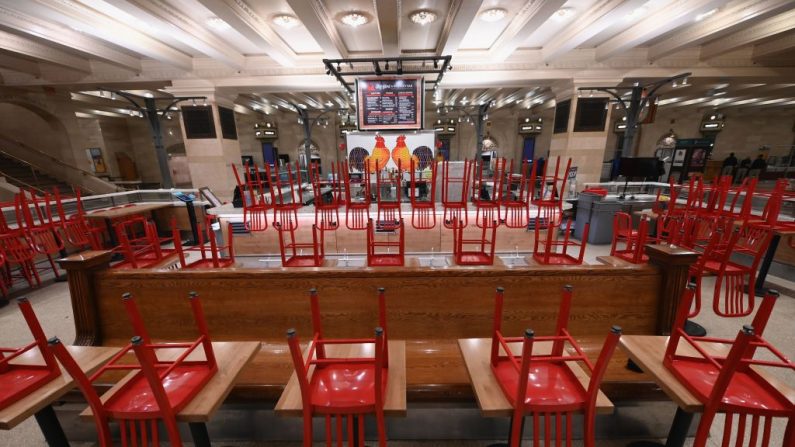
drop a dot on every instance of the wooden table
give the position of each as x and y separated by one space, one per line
231 357
648 352
768 260
290 403
38 403
123 211
489 394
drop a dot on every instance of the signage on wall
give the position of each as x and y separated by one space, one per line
384 150
97 160
389 103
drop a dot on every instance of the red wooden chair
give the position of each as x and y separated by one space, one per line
487 207
211 254
454 194
139 244
255 201
75 228
293 252
546 191
40 229
387 202
376 256
742 209
516 212
622 233
328 196
357 204
17 249
286 193
551 250
423 209
342 387
475 251
727 384
158 391
19 380
543 384
634 251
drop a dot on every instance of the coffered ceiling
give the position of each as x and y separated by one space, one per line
515 52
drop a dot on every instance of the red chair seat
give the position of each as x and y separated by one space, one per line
386 260
180 386
713 266
474 258
561 259
344 388
744 390
20 380
208 264
548 384
301 261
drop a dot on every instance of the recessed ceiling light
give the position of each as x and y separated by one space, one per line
636 13
564 12
217 23
423 17
286 21
354 19
703 16
493 15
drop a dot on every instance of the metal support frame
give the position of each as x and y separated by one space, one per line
308 122
439 65
640 97
148 108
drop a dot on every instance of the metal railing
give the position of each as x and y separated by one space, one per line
19 183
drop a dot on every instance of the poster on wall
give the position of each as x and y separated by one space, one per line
679 157
98 165
384 150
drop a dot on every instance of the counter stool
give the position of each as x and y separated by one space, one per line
551 250
516 213
157 389
286 193
479 251
211 253
388 205
292 252
376 257
487 208
543 384
357 206
454 194
255 207
342 387
327 214
19 380
423 210
546 191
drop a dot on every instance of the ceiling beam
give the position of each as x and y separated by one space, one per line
781 23
250 25
667 18
318 21
459 18
720 24
774 47
29 48
179 26
587 25
532 15
90 21
19 64
388 14
64 36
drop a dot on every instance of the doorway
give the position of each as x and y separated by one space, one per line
268 153
528 148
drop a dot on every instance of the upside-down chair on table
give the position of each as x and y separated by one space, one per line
551 250
342 387
542 384
292 251
377 243
487 206
455 190
478 251
211 254
516 196
159 389
423 208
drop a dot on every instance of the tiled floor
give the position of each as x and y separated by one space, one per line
52 305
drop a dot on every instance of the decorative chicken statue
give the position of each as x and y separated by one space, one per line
402 156
380 156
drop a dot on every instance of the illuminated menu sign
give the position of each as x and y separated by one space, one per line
389 103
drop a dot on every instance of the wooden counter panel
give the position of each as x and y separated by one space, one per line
421 304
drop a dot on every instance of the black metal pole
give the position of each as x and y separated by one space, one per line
633 113
482 111
157 137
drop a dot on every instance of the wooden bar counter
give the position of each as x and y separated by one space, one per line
429 308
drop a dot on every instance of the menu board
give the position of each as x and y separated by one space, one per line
389 103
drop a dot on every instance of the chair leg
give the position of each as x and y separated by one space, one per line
329 434
379 420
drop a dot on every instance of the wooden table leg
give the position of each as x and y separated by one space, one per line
198 431
51 427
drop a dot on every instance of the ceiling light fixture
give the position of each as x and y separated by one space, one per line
423 17
564 12
355 19
493 15
217 23
636 13
286 21
703 16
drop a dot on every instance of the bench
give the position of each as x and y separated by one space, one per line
428 308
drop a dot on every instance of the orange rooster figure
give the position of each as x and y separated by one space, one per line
380 156
402 156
